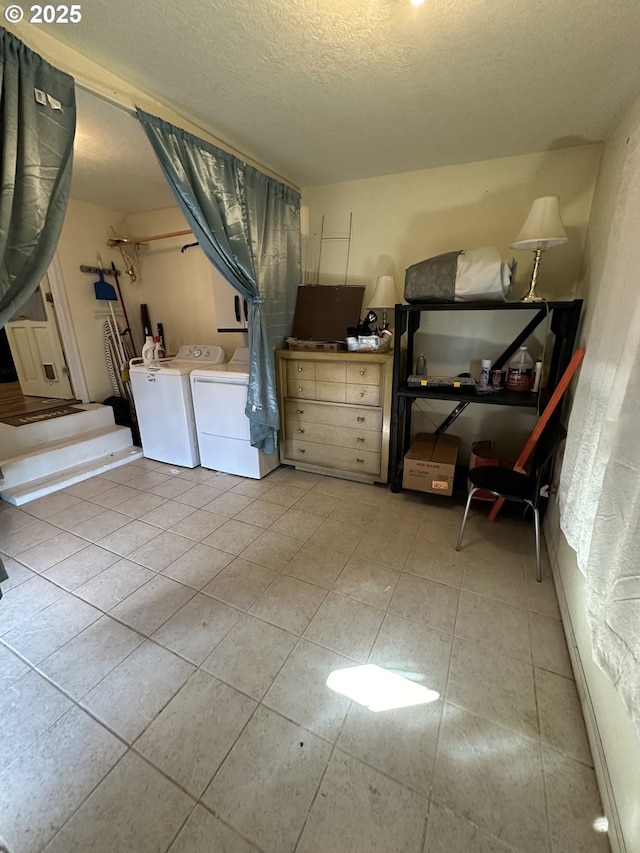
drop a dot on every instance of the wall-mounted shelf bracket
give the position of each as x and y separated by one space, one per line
98 270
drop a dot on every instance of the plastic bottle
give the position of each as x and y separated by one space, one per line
485 372
520 371
421 366
147 351
158 349
537 375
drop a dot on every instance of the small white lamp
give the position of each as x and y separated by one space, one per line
542 230
385 295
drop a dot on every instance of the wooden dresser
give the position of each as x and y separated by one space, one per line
335 411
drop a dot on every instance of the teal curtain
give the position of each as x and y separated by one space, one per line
37 127
248 225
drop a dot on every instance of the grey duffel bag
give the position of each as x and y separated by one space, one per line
464 276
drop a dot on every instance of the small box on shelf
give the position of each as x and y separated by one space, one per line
315 346
368 343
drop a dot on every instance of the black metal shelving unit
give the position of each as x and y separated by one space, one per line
565 317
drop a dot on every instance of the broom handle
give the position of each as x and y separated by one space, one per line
116 335
124 310
555 398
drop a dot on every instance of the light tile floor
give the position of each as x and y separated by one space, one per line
166 636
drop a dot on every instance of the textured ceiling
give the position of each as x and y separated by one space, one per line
330 90
113 163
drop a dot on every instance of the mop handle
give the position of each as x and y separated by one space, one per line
124 309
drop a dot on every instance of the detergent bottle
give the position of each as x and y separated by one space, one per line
147 351
520 371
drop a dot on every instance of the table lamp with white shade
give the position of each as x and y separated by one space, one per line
385 296
542 230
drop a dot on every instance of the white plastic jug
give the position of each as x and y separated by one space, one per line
520 371
147 351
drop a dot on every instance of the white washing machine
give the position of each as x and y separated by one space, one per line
219 401
164 408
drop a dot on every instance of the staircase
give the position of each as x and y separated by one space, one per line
39 458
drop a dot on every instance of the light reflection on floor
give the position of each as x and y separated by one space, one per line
378 689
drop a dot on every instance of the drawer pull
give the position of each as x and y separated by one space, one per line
299 369
360 439
300 430
361 461
361 393
301 450
301 388
301 412
362 373
360 420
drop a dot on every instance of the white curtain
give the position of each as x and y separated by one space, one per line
599 493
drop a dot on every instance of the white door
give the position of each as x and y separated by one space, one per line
36 348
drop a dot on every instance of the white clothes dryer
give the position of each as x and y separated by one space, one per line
164 407
219 401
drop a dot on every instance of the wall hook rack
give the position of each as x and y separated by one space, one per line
98 270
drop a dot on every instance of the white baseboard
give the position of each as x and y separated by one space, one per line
616 838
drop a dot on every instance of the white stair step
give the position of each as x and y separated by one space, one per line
38 488
17 440
45 459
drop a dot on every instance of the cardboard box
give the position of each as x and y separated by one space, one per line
316 346
430 463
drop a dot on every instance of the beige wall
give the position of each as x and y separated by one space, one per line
399 220
176 286
85 232
619 738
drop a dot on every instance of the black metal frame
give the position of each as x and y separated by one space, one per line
565 317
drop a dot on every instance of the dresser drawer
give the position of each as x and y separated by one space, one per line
364 395
331 392
331 371
301 389
360 439
341 458
363 373
301 370
346 416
